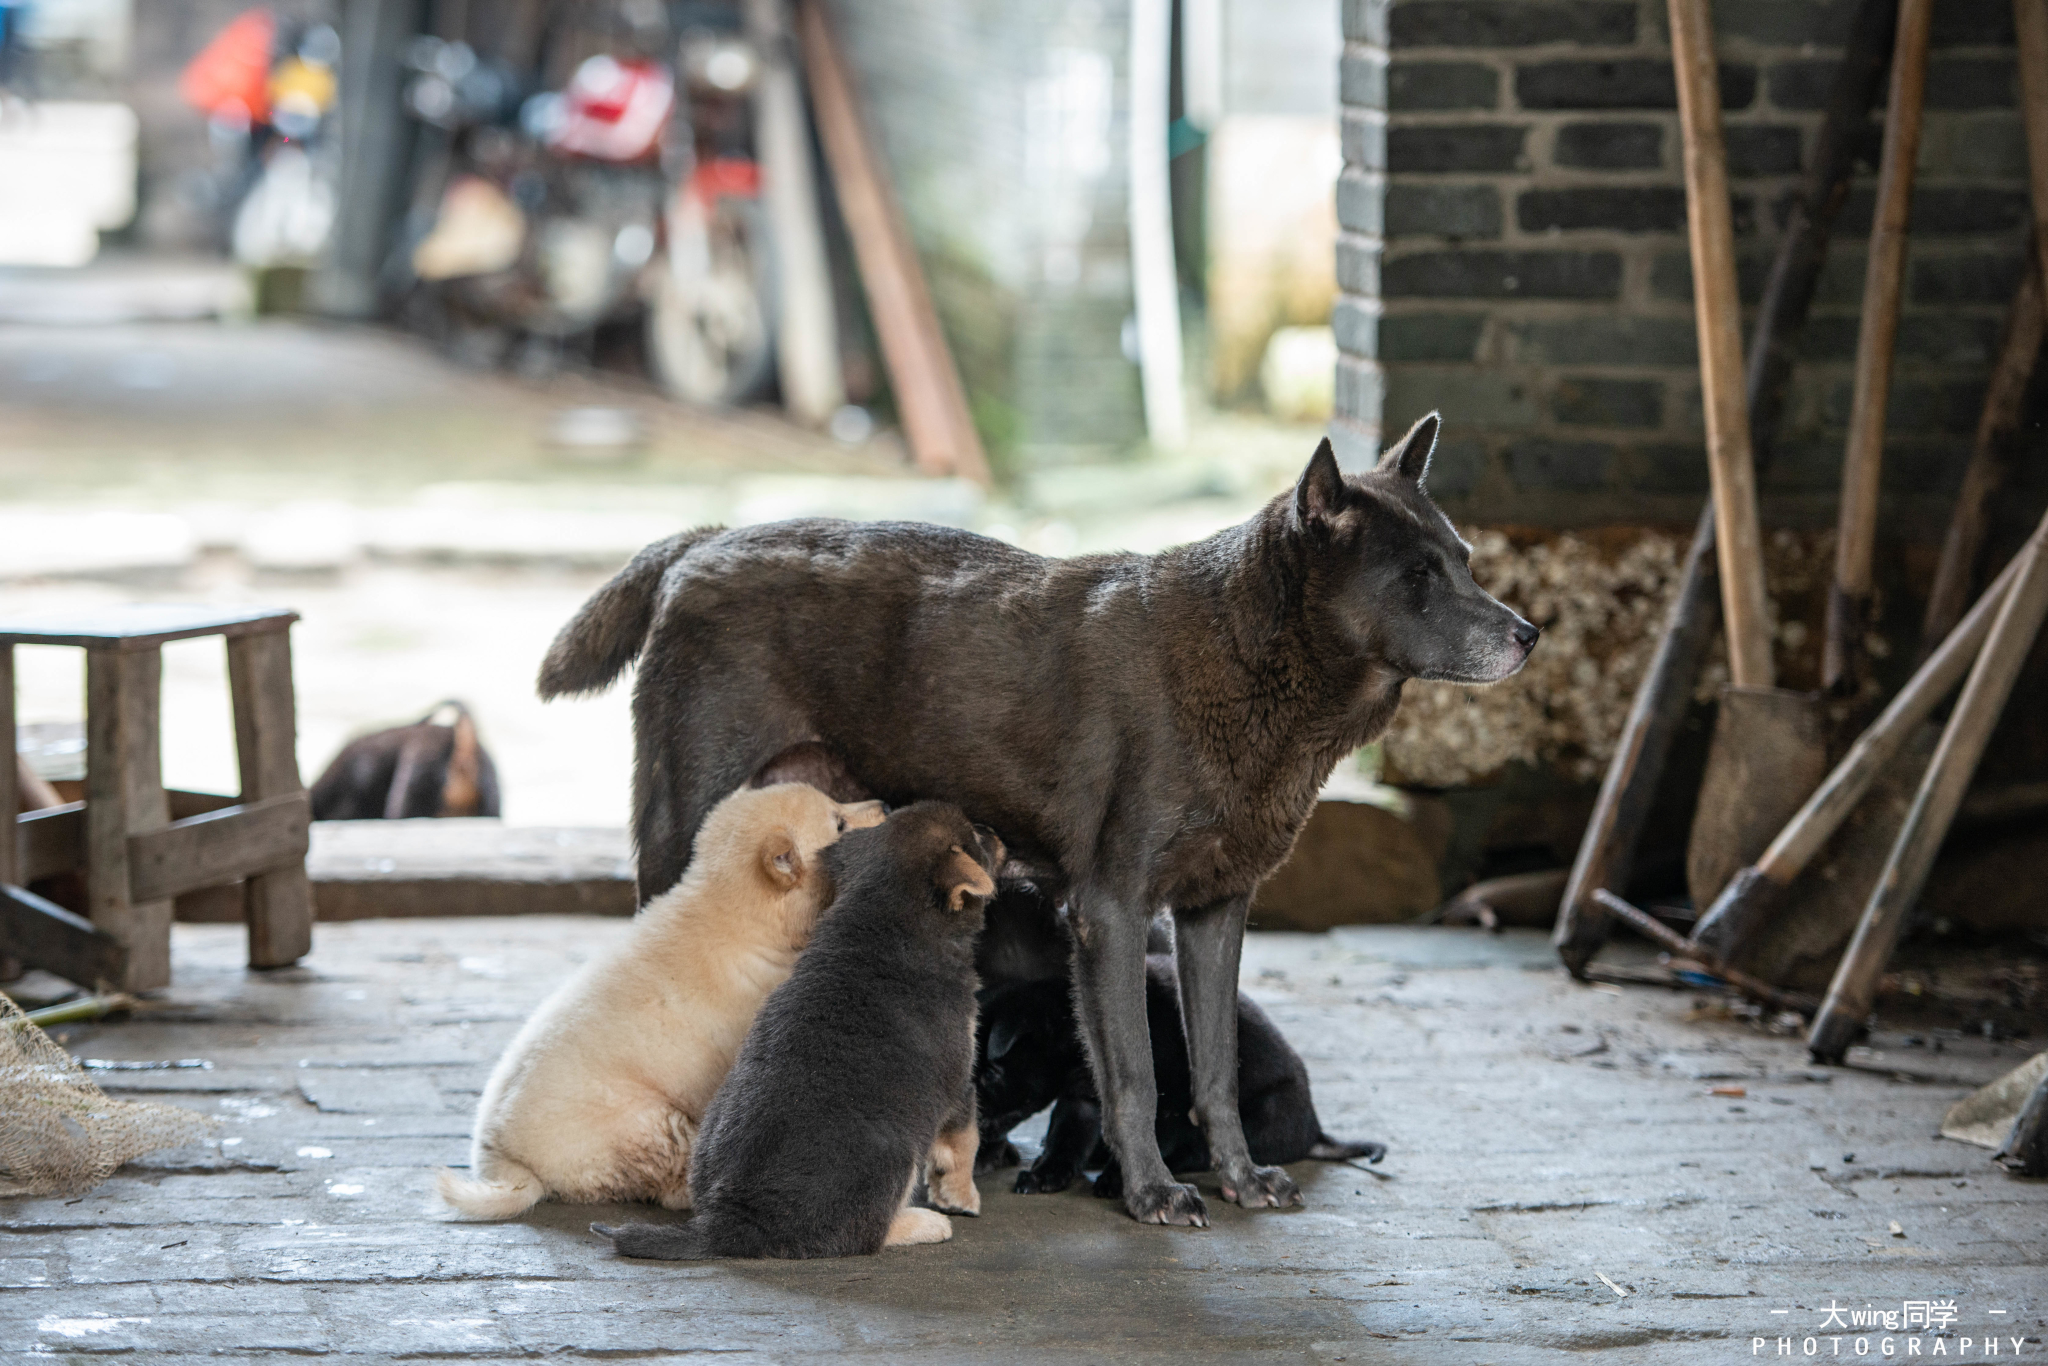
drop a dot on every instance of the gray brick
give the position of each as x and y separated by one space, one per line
1972 23
1950 338
1972 278
1513 23
1943 210
1829 337
1625 83
1572 466
1977 149
1621 208
1413 86
1365 21
1358 326
1362 202
1361 387
1358 265
1972 83
1785 23
1469 147
1803 83
1915 406
1671 276
1763 149
1362 78
1808 465
1606 341
1669 467
1363 136
1459 464
1503 275
1413 337
1610 146
1456 211
1468 397
1589 401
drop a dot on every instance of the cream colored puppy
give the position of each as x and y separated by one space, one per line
599 1095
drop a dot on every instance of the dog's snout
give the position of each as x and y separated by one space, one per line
1525 634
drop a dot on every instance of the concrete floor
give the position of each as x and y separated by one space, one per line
1562 1180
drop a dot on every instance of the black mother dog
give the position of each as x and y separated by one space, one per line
1143 731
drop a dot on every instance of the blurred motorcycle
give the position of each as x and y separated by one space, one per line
608 201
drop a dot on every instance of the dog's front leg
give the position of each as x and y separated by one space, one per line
1207 943
1109 984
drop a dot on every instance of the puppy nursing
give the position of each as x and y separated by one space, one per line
600 1095
859 1071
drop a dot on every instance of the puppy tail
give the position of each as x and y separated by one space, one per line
512 1191
658 1242
1329 1149
607 633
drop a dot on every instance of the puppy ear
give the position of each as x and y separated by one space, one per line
1409 457
961 876
780 861
1002 1037
1319 495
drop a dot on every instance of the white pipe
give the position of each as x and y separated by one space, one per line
1156 292
1201 62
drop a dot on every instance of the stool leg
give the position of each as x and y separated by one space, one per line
280 903
10 799
124 796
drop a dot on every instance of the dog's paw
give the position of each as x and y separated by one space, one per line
954 1194
1260 1188
1170 1203
994 1157
1044 1180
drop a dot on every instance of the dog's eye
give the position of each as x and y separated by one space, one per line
1420 570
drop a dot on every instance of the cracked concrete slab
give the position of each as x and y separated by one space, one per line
1543 1199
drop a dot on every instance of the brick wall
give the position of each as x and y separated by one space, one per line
1514 251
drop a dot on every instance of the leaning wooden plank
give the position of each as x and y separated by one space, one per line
921 371
1990 459
1854 988
44 935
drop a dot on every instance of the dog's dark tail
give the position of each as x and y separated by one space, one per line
657 1242
1329 1149
607 633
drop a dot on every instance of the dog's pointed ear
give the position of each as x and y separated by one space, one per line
1409 457
1319 495
781 864
1002 1037
961 876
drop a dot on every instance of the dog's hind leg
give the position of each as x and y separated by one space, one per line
950 1165
1109 988
1208 941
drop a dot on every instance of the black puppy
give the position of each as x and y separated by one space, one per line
434 767
1146 731
858 1072
1028 1055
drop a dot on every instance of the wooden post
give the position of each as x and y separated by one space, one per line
921 371
124 796
280 902
10 798
1863 461
2030 24
1718 314
1854 988
1990 458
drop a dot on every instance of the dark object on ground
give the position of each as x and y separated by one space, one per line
2026 1149
1517 899
1144 731
434 767
1028 1055
1630 785
858 1068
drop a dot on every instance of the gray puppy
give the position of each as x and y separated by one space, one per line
1146 731
857 1075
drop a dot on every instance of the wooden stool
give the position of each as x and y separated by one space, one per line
123 837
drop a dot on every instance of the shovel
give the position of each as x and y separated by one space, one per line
1769 748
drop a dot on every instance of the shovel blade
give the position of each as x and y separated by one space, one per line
1768 755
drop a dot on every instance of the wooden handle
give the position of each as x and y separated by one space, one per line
1863 461
1854 987
929 395
1718 315
2030 22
